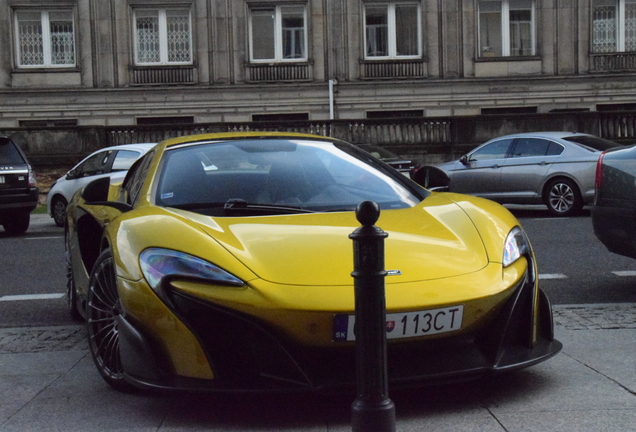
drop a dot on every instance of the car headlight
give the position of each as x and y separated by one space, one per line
515 247
158 263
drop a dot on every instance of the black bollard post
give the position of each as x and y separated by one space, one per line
372 411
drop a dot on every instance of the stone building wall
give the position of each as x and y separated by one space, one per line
449 80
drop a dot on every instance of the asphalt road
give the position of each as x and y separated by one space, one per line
574 267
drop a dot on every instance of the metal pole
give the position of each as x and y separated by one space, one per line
372 411
331 100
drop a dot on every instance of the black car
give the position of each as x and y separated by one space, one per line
18 188
614 210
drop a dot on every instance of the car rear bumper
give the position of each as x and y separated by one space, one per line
27 201
615 227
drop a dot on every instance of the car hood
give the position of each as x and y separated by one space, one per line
435 239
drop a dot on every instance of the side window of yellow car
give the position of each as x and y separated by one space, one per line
135 178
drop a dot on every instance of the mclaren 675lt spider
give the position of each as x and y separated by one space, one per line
223 262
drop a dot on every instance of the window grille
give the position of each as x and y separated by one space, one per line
613 26
45 39
163 37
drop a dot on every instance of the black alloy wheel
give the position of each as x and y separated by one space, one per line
563 198
58 210
102 314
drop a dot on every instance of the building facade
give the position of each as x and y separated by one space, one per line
129 62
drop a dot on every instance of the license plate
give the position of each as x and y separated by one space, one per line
405 324
1 179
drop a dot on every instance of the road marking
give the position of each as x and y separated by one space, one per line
31 297
44 238
625 273
552 276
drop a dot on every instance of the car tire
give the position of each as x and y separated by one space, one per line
58 210
74 306
17 223
563 198
102 313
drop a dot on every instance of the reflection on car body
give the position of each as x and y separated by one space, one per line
239 277
401 164
552 168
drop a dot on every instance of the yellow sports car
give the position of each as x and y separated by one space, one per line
223 261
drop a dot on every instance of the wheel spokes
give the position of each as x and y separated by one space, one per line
561 197
103 309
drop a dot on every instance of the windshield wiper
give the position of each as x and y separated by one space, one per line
238 206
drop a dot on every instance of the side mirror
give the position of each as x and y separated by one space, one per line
96 193
71 175
464 159
432 178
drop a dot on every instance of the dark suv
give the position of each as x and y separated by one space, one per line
18 188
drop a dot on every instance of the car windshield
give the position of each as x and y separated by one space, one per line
274 176
9 154
592 143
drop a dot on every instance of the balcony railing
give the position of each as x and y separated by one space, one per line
613 62
278 72
163 75
393 69
618 126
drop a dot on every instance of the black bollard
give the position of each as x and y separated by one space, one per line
372 411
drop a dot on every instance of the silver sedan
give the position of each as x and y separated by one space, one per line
552 168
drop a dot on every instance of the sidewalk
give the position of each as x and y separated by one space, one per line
48 383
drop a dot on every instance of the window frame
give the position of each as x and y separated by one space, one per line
506 37
620 28
278 33
392 30
163 35
47 52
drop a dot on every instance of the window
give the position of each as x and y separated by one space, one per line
163 36
529 147
613 26
124 159
392 31
45 39
506 28
509 110
278 34
94 165
395 114
280 117
165 120
494 150
135 178
48 123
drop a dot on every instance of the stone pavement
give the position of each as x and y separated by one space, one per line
48 383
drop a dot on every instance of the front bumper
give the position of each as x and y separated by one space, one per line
248 355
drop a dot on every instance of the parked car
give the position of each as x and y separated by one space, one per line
110 161
239 277
614 209
19 192
552 168
400 163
